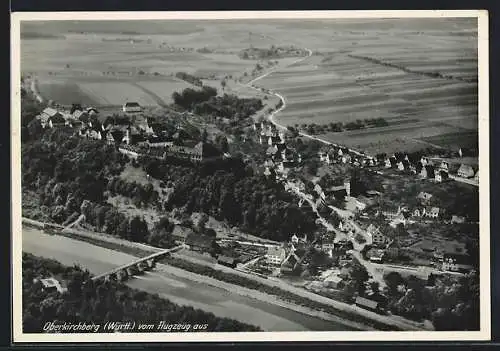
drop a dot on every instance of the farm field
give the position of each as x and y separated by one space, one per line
422 111
358 70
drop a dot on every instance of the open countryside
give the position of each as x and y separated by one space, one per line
276 175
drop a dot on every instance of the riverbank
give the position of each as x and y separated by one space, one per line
187 288
296 295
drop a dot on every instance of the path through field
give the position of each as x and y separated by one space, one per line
273 114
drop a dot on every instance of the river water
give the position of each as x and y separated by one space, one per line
179 290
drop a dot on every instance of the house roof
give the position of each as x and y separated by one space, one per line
366 302
50 112
226 259
275 251
333 278
49 282
424 195
271 150
78 114
465 168
435 210
132 104
377 253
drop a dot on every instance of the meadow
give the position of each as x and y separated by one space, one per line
418 74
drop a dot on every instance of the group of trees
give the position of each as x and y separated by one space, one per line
100 302
431 74
189 78
232 193
228 106
450 302
273 52
141 194
314 128
63 170
189 97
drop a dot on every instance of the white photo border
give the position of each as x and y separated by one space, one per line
484 196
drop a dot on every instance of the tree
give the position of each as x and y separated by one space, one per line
393 280
204 135
374 287
138 230
360 276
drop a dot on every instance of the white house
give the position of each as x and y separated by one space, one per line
132 107
437 177
375 235
275 255
433 213
387 163
465 171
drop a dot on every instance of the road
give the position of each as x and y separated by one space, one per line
175 287
273 114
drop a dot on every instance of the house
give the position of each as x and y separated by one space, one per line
321 155
401 167
424 197
465 171
377 255
80 115
198 153
424 161
201 243
375 236
131 107
227 261
441 176
294 239
399 219
272 151
387 163
51 118
274 140
180 233
94 134
130 151
327 246
430 171
418 213
333 281
457 263
368 304
275 255
423 172
457 219
92 111
51 285
437 177
444 166
433 213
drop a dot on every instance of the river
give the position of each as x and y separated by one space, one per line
179 290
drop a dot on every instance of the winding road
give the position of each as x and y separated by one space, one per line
273 114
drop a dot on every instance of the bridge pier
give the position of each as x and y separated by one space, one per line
151 263
129 271
107 278
139 267
122 275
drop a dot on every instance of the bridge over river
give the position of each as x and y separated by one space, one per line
138 266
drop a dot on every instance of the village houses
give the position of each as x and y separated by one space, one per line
275 255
